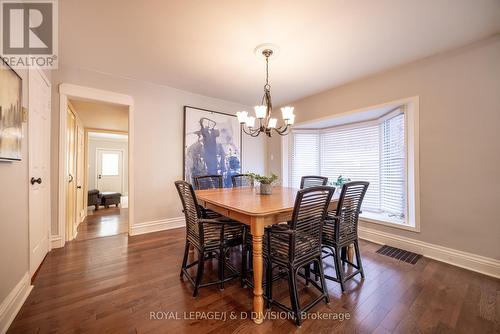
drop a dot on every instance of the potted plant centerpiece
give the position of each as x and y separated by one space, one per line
340 182
266 182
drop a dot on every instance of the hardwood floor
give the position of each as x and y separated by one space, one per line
115 284
102 223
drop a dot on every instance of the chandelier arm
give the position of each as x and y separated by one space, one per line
253 133
283 131
282 128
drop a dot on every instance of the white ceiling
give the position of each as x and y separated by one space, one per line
207 46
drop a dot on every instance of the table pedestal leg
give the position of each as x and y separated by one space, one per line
257 230
350 253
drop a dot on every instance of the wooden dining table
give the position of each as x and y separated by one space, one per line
249 207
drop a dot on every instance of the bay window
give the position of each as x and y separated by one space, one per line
375 151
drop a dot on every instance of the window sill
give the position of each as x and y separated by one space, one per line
375 218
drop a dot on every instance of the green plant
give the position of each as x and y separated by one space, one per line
263 179
341 180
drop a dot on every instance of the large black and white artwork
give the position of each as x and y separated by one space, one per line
212 144
10 113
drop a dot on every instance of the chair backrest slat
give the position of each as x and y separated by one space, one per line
312 181
207 182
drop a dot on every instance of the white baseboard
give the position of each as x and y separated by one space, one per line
477 263
11 305
157 225
56 242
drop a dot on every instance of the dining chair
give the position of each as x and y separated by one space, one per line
207 236
312 181
207 182
341 230
242 180
289 247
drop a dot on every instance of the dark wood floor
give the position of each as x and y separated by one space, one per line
111 285
102 223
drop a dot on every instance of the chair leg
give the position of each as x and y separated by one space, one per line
269 283
307 272
358 259
319 265
184 260
343 254
222 261
244 256
339 268
199 273
316 272
294 296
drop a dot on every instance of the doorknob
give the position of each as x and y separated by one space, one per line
70 178
33 181
79 187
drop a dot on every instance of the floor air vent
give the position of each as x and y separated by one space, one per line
399 254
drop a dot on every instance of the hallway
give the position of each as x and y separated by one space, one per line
103 223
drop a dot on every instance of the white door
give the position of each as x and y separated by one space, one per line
39 168
80 172
109 170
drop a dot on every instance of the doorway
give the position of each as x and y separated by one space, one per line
107 184
97 164
95 196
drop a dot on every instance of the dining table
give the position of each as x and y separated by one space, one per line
248 206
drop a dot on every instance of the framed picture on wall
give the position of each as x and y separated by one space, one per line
11 131
212 144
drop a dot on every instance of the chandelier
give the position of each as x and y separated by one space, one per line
263 112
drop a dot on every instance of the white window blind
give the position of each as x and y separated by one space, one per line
373 151
305 156
354 152
393 166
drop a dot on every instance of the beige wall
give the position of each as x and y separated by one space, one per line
14 242
459 140
158 119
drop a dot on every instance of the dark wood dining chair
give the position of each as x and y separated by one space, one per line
289 247
242 180
341 230
312 181
207 182
207 236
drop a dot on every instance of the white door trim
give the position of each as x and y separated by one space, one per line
67 91
97 164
